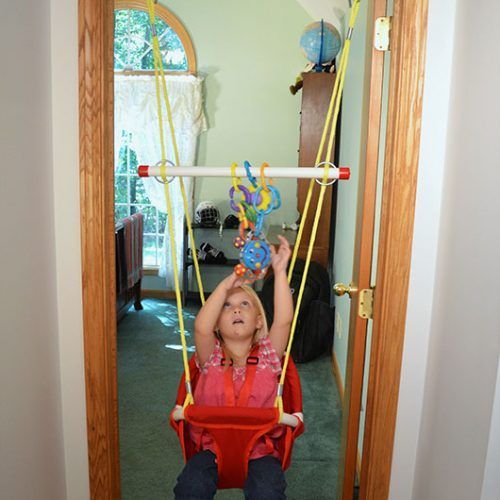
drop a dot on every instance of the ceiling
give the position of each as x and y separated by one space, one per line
332 11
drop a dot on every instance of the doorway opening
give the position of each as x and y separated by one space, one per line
98 266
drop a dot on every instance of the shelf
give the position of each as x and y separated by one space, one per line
216 228
228 263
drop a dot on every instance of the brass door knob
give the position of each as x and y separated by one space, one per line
341 289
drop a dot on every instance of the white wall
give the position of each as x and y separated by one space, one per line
426 234
464 343
32 461
64 47
332 11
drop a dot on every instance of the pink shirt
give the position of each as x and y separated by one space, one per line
210 392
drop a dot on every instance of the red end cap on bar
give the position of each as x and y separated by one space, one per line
143 170
344 173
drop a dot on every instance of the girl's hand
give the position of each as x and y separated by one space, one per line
232 281
280 258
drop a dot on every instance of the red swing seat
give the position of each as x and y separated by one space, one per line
235 429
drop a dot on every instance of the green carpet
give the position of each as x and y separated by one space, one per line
149 367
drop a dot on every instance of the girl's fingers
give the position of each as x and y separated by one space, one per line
283 241
284 246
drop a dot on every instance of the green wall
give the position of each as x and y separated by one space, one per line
249 54
351 151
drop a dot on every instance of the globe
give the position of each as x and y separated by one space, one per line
320 42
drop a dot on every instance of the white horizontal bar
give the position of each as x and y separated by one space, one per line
274 172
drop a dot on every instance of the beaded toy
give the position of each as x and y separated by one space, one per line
253 205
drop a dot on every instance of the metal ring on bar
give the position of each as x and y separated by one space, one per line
159 179
325 183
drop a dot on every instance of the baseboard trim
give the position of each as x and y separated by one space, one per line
150 271
338 377
340 386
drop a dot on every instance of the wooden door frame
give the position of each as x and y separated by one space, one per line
98 255
95 67
406 87
361 277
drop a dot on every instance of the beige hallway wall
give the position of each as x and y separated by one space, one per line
465 331
436 105
64 52
32 455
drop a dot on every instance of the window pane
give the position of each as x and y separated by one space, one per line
149 251
133 43
138 192
162 221
139 25
149 219
121 167
172 50
161 241
131 38
132 162
121 23
121 211
121 195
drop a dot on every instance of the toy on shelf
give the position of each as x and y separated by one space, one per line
320 43
251 205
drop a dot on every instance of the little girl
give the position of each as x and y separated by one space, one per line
227 329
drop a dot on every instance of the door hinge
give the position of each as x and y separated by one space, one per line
365 304
382 36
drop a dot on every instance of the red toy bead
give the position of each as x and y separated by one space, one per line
240 270
239 242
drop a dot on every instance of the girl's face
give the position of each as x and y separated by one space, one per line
240 317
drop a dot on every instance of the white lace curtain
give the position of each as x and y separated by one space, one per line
136 113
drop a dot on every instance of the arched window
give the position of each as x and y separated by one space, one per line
133 49
133 55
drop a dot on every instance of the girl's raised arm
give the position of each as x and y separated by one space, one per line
283 302
206 321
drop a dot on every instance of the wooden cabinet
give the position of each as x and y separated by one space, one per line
316 93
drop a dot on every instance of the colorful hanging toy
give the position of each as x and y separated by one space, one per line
254 203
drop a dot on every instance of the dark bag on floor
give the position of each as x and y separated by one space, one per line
314 331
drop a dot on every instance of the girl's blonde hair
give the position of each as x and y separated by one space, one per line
264 331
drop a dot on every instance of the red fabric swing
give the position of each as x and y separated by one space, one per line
235 429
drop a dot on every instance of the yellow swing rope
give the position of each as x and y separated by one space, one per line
159 68
333 108
160 74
